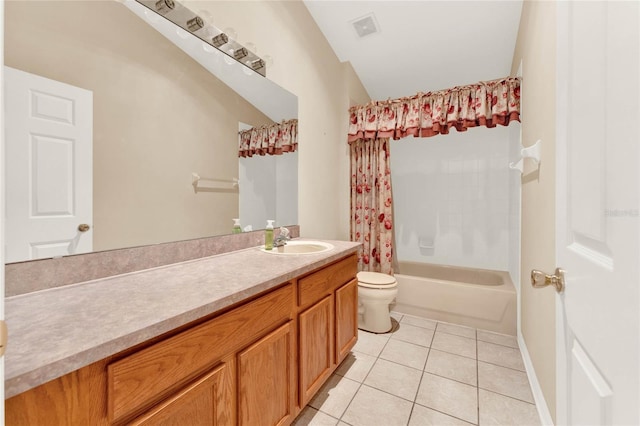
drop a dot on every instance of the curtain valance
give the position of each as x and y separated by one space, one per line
428 114
273 139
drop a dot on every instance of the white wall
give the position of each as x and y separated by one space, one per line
515 196
452 192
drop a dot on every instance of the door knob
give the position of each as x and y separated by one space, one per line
539 279
83 227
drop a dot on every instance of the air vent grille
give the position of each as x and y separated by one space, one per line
365 25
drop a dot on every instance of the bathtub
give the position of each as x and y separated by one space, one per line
478 298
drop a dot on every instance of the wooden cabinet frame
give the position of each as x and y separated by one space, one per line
261 361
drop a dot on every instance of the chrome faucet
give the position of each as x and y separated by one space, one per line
282 237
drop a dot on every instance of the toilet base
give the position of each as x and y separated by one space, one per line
375 318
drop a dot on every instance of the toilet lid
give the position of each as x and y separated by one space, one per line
375 280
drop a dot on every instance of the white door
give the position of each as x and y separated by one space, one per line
49 138
598 213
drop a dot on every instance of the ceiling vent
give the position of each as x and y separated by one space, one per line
365 25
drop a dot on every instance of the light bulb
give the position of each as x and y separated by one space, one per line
247 70
268 60
207 47
229 60
152 17
231 33
251 47
182 33
206 16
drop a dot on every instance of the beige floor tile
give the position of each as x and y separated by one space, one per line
501 410
370 343
312 417
419 322
458 330
448 396
498 339
500 355
454 344
356 366
396 315
451 366
405 353
505 381
373 407
423 416
412 334
334 397
395 379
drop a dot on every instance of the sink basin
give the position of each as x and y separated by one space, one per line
300 247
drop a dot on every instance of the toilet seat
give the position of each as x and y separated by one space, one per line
376 280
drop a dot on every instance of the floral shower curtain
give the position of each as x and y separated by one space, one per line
371 213
486 103
429 114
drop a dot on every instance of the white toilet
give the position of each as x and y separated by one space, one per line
375 292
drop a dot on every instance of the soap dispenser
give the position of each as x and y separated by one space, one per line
268 235
236 227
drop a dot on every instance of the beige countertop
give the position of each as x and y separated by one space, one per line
56 331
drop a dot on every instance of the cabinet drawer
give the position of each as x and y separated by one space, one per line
318 284
137 381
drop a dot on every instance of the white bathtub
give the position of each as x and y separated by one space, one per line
476 298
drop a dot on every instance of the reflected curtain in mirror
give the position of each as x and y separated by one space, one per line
272 139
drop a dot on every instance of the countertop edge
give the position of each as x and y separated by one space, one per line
23 381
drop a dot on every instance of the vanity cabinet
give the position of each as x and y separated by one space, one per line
205 402
257 363
328 303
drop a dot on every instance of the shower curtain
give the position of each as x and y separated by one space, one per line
371 204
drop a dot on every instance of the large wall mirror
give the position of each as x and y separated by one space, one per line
159 114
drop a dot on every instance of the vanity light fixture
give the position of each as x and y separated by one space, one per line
164 6
195 23
220 40
240 53
188 20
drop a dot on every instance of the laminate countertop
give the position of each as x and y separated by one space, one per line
56 331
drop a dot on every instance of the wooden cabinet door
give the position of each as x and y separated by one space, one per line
208 401
346 319
315 347
266 380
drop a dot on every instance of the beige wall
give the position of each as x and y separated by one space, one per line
536 48
158 116
304 64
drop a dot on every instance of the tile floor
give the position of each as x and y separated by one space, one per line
426 373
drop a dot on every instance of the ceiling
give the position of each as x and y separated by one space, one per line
421 45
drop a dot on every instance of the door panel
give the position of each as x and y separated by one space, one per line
315 359
265 380
346 319
597 217
49 167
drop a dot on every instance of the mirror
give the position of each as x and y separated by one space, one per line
159 115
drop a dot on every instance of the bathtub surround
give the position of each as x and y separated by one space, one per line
27 277
475 298
451 195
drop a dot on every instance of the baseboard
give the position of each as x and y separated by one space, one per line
536 390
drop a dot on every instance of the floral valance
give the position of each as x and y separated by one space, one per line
273 139
428 114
